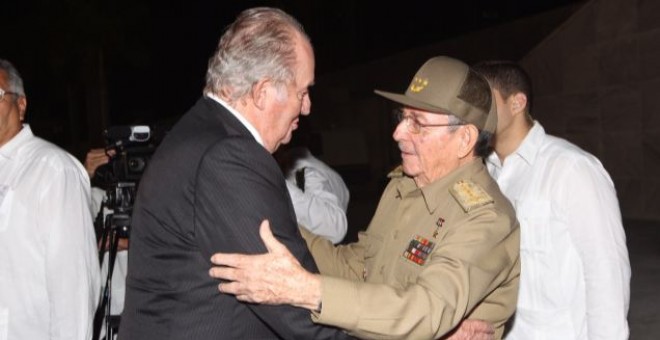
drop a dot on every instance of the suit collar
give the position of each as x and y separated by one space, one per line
253 131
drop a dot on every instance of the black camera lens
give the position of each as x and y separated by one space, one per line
136 164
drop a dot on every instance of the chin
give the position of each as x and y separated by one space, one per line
407 170
286 139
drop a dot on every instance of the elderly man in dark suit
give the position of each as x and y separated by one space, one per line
212 175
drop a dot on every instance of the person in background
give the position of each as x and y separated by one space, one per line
49 273
575 277
319 195
93 160
443 245
213 174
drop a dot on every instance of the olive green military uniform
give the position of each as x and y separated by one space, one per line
430 258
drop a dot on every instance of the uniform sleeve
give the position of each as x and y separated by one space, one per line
345 261
317 208
239 185
342 261
592 212
72 268
472 262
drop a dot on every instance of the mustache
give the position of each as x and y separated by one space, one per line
405 149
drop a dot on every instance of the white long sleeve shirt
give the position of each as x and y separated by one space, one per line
575 272
321 208
49 270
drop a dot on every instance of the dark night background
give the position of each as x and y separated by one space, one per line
90 64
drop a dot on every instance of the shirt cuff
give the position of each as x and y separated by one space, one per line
340 303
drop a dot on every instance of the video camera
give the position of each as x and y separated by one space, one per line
130 149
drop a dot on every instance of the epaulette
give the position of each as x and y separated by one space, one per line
470 195
396 173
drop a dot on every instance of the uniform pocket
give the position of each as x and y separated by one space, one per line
374 244
406 272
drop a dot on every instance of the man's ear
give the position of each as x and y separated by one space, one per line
518 103
259 93
468 135
22 106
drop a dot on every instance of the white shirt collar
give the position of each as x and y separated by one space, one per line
238 116
8 150
528 148
531 144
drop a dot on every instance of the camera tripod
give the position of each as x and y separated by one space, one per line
112 223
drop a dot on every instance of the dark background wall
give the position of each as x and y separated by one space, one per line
91 64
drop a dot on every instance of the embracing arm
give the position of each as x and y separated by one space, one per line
281 280
238 185
455 282
345 261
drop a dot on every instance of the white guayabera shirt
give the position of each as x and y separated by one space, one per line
575 272
49 269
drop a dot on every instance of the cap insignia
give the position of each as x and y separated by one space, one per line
418 84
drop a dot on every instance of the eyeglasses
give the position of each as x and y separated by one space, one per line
3 93
414 126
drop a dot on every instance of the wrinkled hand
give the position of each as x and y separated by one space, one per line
473 330
96 158
274 278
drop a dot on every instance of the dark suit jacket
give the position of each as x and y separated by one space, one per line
206 190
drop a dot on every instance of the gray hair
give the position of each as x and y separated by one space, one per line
484 145
13 77
259 44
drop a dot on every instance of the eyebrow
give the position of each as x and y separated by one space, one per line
418 114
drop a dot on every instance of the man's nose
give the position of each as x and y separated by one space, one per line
400 132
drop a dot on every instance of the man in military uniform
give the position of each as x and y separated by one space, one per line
443 245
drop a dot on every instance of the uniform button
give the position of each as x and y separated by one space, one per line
382 270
